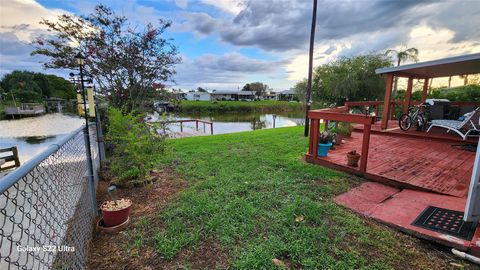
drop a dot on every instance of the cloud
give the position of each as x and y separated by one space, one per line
222 71
230 6
183 4
15 55
200 23
284 25
23 18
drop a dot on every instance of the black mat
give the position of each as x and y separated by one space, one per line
445 221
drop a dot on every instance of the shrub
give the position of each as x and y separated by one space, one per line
136 149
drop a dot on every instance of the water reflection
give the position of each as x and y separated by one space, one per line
235 122
37 139
33 135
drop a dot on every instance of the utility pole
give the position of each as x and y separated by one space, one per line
308 97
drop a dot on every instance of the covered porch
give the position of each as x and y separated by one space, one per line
411 172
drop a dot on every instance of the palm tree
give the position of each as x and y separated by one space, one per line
402 56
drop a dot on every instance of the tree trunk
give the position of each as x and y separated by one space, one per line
449 81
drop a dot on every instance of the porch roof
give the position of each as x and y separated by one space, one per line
452 66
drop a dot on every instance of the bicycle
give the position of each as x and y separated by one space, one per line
414 117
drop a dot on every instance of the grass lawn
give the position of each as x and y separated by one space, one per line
244 106
249 198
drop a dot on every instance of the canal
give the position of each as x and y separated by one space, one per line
34 134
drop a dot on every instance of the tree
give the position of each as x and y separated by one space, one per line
300 89
350 79
259 88
200 89
36 85
126 61
402 56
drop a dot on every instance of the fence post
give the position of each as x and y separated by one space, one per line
90 177
101 146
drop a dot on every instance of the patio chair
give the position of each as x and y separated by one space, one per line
471 123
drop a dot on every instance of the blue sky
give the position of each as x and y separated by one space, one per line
227 43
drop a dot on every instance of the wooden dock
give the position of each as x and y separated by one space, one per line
185 131
25 109
13 157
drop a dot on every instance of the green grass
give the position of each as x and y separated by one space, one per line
242 106
245 191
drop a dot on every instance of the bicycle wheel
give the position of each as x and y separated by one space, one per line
420 122
405 122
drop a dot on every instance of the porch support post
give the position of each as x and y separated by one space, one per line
386 102
365 146
408 95
472 206
425 90
313 147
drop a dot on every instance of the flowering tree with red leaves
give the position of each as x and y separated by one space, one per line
125 62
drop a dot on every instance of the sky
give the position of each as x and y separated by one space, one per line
225 44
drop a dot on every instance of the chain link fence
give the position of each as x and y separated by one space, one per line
47 207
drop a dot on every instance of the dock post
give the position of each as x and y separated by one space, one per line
196 124
181 126
211 128
15 156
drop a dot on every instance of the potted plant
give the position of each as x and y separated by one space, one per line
115 212
352 158
345 129
324 143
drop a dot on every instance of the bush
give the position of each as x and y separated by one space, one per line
135 149
461 93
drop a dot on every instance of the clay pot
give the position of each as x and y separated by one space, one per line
352 159
116 217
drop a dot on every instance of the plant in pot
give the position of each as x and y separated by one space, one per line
115 212
352 158
324 143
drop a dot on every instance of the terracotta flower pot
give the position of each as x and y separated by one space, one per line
352 159
115 217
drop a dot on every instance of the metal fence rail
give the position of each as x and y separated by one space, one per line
47 208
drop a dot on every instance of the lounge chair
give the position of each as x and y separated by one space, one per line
471 123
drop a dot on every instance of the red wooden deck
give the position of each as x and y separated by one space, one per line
416 163
399 208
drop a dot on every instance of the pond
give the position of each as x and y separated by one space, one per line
236 122
33 135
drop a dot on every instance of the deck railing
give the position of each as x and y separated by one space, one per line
181 122
338 114
377 106
47 207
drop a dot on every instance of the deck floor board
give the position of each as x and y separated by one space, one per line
428 164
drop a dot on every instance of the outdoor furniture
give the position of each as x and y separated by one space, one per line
462 128
439 108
